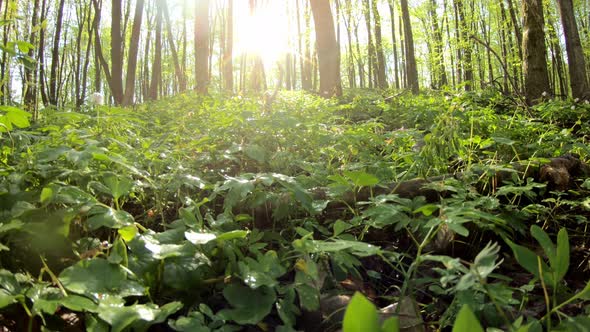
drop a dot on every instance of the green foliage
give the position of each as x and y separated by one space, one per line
210 214
361 315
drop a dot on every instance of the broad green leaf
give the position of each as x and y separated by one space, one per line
109 218
541 236
6 299
199 238
361 315
340 226
189 217
12 225
427 209
24 46
563 255
466 321
255 152
309 297
46 194
118 186
356 247
78 303
232 235
262 272
194 322
361 178
97 277
250 306
128 232
391 325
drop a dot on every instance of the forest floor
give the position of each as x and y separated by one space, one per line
226 214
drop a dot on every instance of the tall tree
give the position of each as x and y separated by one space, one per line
133 51
53 80
156 81
163 6
394 44
30 86
327 48
440 74
464 44
371 58
381 76
228 66
116 82
575 53
534 67
202 46
411 67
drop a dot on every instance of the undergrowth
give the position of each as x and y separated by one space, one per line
217 213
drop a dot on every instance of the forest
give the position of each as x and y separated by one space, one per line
295 165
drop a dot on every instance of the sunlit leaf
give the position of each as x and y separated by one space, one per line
466 321
361 315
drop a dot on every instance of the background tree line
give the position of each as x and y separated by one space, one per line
57 52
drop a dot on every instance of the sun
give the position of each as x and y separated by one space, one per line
264 32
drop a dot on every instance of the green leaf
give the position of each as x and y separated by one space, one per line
6 299
262 272
391 325
361 315
466 321
128 232
255 152
109 218
539 234
97 277
194 322
529 261
118 186
199 238
427 209
232 235
361 178
46 194
250 306
189 217
563 255
340 226
118 253
24 46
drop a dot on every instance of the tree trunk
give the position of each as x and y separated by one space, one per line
328 61
175 59
55 55
394 45
116 53
157 64
536 77
372 63
41 56
202 46
465 45
306 69
381 69
133 50
30 83
411 68
228 66
575 53
439 63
